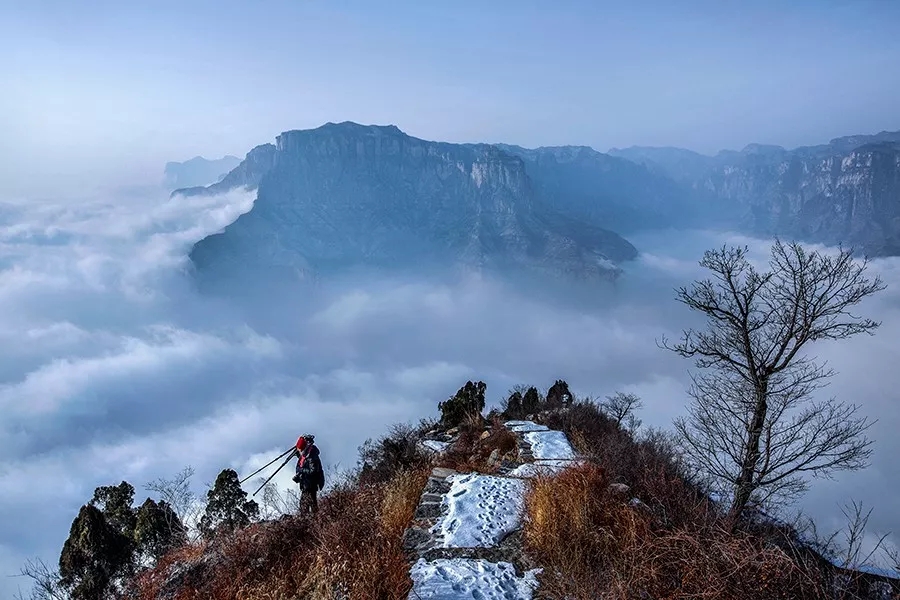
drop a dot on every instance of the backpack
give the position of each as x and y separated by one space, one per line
309 467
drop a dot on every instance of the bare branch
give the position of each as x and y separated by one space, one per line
754 427
45 581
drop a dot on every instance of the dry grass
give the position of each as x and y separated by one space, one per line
593 544
352 550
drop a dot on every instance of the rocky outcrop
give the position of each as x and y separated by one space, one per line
347 195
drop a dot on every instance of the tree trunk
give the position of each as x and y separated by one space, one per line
744 486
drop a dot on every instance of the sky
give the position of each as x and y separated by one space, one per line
113 367
105 91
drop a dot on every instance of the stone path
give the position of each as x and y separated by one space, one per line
465 538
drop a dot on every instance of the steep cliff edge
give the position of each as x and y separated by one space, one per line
851 198
347 195
846 191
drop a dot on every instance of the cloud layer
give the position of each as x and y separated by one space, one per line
112 366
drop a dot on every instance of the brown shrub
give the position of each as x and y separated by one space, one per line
649 466
470 451
593 544
359 551
381 460
351 549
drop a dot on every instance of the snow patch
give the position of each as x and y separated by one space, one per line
523 426
479 510
465 579
435 445
542 467
549 444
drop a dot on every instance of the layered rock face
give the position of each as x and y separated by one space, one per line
346 195
831 197
844 192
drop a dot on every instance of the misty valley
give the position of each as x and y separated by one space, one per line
336 301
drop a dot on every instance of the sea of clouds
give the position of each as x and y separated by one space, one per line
113 366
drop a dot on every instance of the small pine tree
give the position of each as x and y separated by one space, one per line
227 507
158 529
559 395
531 401
468 401
94 556
115 502
513 407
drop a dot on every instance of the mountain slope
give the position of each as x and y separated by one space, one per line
622 195
198 171
346 195
846 191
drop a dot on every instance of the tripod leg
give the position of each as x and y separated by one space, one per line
264 466
274 474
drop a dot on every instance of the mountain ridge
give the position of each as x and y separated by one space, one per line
347 194
844 192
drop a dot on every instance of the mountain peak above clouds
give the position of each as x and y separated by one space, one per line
345 195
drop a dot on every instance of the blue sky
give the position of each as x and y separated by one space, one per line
104 90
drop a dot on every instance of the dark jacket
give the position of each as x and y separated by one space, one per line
309 469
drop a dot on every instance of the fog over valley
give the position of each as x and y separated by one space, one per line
224 225
115 367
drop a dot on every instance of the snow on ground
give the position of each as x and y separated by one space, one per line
549 444
479 510
435 445
523 426
465 579
543 467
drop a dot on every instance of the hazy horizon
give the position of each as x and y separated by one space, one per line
109 92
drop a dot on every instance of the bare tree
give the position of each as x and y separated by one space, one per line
277 502
754 427
183 501
620 407
45 582
854 545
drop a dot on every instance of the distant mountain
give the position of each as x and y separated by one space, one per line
676 163
347 195
846 191
198 171
611 190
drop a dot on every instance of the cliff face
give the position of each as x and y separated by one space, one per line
824 195
846 191
346 195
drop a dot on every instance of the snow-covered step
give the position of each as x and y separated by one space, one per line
546 445
524 426
479 510
465 579
543 468
435 446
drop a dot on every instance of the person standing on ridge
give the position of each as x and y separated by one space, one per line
309 474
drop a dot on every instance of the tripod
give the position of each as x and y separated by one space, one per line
289 453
